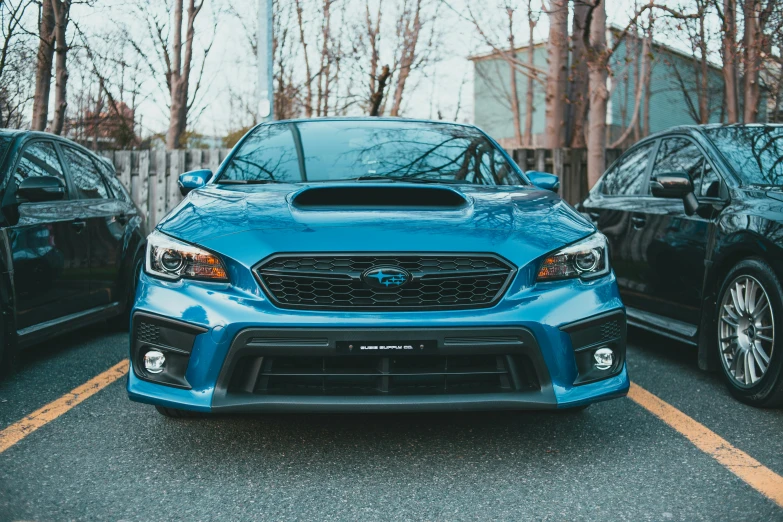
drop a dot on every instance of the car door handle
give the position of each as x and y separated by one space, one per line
79 225
638 221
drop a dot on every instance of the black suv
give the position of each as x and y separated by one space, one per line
71 240
694 218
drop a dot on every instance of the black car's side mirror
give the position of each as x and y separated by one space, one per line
193 180
40 188
543 180
675 185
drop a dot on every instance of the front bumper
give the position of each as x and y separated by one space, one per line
540 336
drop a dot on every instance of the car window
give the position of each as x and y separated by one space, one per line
39 159
85 176
679 155
710 182
114 183
628 176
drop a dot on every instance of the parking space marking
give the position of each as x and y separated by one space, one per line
42 416
751 471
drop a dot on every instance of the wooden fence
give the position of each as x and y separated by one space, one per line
570 165
151 176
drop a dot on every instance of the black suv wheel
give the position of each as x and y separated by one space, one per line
749 348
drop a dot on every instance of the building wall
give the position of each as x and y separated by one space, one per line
492 100
669 106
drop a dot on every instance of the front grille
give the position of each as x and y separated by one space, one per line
376 375
332 281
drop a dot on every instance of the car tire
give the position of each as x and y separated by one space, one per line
180 414
750 351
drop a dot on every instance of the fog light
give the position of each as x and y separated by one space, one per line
154 361
604 358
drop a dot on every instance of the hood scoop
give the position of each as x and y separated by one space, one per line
382 197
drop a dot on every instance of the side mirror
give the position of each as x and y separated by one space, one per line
193 180
675 185
543 180
41 188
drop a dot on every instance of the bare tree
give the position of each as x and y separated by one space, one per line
14 57
43 72
61 10
514 94
728 16
598 56
578 89
409 25
557 77
756 15
170 58
532 21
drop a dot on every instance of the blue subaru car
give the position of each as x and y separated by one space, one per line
357 265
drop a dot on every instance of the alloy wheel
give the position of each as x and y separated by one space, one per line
746 330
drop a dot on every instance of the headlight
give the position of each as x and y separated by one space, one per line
172 259
587 258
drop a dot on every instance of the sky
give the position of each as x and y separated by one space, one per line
230 66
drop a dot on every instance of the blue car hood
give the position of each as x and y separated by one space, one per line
249 222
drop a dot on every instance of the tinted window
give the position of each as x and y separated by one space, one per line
710 183
85 176
679 155
628 176
754 152
39 159
118 190
332 150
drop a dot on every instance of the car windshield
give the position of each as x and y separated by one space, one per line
755 152
331 150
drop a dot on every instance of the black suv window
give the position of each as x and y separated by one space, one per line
628 176
88 181
683 155
38 159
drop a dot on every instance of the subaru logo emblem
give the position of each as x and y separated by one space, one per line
385 277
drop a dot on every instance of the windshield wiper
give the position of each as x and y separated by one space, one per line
245 181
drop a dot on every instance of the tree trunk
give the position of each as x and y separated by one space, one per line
578 92
43 68
557 78
704 87
596 136
646 78
638 95
179 73
514 95
752 61
61 10
308 76
410 29
730 59
377 96
528 139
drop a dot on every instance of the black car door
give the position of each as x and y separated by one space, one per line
672 245
50 246
612 205
106 219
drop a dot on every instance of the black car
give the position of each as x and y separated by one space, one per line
70 240
694 219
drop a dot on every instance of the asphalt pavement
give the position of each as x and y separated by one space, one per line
111 459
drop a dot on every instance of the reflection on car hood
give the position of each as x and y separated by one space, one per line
261 217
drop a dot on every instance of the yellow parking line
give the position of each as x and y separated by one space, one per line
21 429
751 471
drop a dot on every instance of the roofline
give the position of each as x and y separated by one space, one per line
493 54
368 119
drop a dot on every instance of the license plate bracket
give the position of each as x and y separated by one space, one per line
390 347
